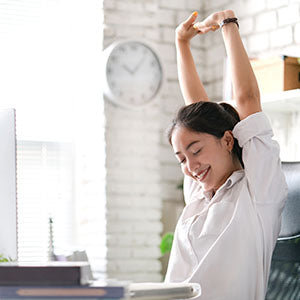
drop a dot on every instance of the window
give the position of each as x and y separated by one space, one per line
51 73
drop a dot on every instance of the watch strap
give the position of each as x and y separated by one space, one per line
229 20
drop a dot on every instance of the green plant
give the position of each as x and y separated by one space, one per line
4 259
166 243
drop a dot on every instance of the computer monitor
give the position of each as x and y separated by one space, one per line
8 194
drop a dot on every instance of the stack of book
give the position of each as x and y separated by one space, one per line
56 280
69 280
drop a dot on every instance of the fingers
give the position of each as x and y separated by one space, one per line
201 27
190 20
204 28
198 25
188 29
215 27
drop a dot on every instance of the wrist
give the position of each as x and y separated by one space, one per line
182 42
225 15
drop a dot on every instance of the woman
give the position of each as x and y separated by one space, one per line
234 187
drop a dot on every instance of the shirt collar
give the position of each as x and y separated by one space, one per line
229 183
234 178
192 208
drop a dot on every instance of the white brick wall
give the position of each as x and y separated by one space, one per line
258 42
266 21
288 15
297 34
215 5
281 37
247 26
253 7
164 17
276 3
176 5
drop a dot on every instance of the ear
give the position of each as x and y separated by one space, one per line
228 140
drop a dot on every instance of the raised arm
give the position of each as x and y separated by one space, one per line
244 84
190 84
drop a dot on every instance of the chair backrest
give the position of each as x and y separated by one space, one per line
284 279
290 224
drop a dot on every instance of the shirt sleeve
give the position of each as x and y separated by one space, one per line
260 155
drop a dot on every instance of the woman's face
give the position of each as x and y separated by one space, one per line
203 156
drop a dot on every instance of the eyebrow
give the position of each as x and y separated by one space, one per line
188 146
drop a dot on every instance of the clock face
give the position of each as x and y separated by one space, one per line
133 74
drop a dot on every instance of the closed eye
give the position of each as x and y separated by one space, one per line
182 161
195 153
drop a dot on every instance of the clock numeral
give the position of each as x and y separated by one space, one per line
153 63
133 47
114 58
122 49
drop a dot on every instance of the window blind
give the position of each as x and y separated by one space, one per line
44 182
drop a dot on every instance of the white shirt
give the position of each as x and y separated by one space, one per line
225 243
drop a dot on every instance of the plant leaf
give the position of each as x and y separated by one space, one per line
166 243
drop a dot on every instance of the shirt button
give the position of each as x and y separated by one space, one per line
229 182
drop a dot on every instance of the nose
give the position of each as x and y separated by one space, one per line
192 165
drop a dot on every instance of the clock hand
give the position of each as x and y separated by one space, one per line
139 63
128 70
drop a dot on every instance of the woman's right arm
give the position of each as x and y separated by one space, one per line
190 84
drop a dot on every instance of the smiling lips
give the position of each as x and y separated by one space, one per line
202 174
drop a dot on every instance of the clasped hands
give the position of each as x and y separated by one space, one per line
189 28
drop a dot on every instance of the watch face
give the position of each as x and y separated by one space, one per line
133 73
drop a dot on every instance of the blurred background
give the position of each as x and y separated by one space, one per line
105 174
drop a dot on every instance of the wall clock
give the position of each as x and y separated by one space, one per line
133 73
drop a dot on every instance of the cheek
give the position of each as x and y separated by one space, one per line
215 155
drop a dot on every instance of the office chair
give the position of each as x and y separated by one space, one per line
284 279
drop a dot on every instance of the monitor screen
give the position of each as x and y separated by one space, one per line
8 194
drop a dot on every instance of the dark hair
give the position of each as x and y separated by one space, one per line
208 117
